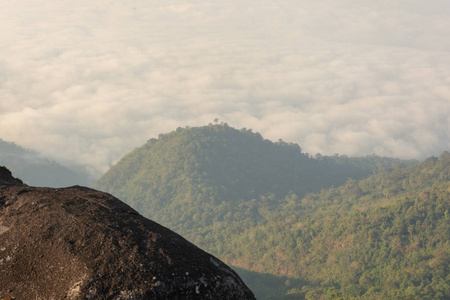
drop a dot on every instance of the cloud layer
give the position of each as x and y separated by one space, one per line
87 82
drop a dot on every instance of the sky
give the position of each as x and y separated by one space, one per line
86 82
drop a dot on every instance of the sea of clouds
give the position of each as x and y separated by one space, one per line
87 81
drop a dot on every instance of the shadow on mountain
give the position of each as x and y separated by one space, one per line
268 286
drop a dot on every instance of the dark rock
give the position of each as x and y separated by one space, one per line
6 177
79 243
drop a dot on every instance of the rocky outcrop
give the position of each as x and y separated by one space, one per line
79 243
6 177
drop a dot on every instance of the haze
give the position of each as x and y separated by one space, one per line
86 82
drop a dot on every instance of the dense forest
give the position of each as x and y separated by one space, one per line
36 170
384 237
297 226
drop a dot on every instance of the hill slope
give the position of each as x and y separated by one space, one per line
37 171
193 177
243 198
383 237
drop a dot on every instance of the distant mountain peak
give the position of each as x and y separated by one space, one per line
34 169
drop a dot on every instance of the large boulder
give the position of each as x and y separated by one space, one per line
79 243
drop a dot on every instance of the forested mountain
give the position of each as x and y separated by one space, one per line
298 226
35 170
194 177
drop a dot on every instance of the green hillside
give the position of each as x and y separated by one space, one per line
193 178
384 237
298 227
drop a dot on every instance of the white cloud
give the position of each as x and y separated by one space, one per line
89 81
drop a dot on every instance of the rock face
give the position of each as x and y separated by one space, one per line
79 243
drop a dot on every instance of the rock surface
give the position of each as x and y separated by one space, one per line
79 243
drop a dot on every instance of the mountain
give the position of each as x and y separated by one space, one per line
193 177
79 243
35 170
246 199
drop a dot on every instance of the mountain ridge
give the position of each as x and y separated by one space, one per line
36 170
219 163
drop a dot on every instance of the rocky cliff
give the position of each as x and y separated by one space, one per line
79 243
